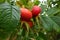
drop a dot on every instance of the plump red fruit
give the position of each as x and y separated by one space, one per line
36 10
30 23
26 14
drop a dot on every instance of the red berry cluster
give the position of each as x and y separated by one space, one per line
26 14
36 10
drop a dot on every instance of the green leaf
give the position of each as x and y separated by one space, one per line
46 22
49 24
44 7
36 2
9 17
52 11
57 21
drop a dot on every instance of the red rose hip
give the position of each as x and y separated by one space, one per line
26 14
36 10
30 23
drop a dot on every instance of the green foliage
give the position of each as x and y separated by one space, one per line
46 26
9 18
8 15
49 16
2 1
37 2
50 24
